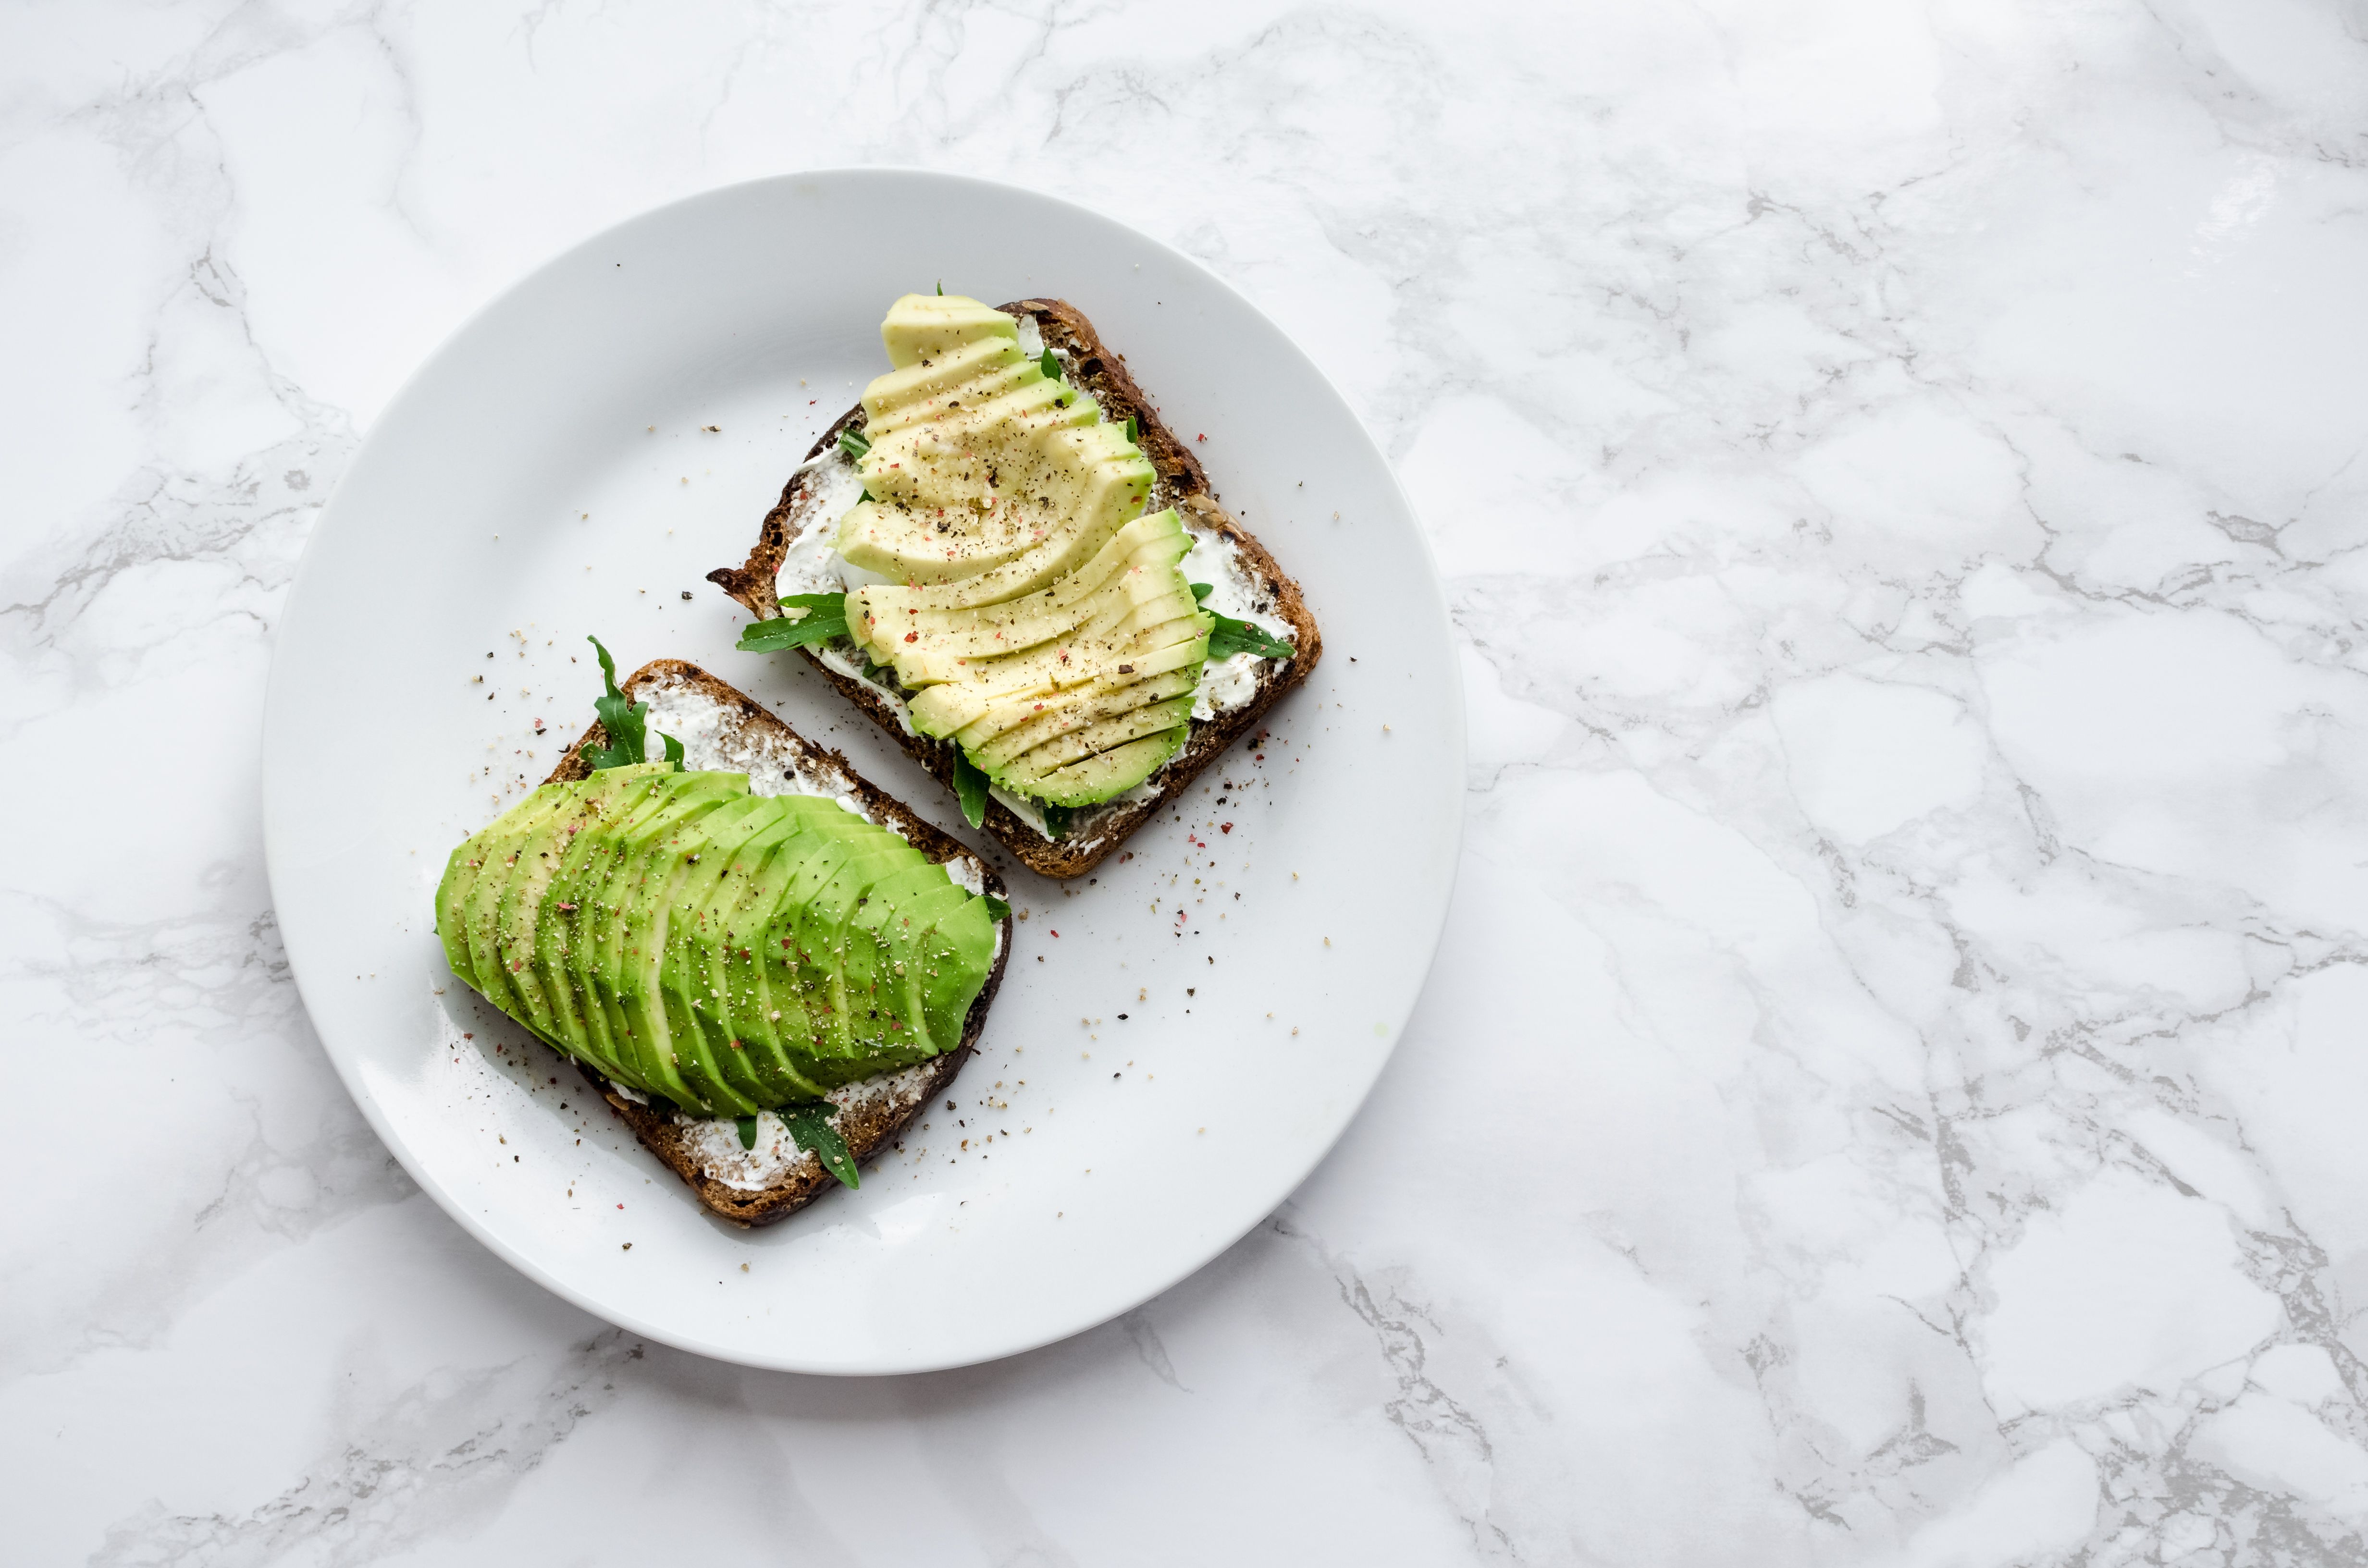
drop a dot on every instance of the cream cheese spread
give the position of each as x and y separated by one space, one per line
707 741
715 1144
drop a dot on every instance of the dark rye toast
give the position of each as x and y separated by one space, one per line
868 1121
1097 831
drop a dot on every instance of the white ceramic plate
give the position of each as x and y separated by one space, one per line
551 473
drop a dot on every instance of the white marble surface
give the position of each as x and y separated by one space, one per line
1892 1089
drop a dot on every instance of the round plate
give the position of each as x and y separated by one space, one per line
573 461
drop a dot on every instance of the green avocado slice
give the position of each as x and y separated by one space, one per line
533 869
601 951
451 894
1071 711
584 863
634 949
845 958
1028 769
575 912
880 952
760 1002
1105 774
783 980
716 983
496 852
582 918
909 908
735 978
670 931
798 961
954 958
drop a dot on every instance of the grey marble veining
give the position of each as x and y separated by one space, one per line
1891 1090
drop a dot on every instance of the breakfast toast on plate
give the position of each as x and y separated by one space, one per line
1066 708
626 912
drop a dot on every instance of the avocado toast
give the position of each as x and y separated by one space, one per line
1006 560
765 965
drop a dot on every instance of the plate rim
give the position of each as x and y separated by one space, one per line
275 718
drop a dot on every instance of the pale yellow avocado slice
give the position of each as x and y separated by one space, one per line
896 622
976 400
1070 712
1000 630
887 600
1051 520
954 460
1013 624
951 707
919 385
922 326
1124 606
916 543
897 611
1145 719
1097 778
972 714
1066 525
974 462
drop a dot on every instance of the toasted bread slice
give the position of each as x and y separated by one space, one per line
1096 830
732 730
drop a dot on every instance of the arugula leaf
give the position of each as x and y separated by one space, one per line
625 721
854 443
970 786
941 288
810 1126
818 618
673 750
1056 819
1049 365
1230 637
747 1126
1133 429
995 908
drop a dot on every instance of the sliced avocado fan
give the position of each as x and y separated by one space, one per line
1037 617
724 951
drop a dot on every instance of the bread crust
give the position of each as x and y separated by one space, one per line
1181 484
872 1124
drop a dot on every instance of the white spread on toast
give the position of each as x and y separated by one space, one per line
713 738
1227 683
715 1146
813 564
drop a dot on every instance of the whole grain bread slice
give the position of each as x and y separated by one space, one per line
1182 483
870 1117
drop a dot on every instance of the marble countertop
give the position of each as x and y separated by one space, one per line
1892 1087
